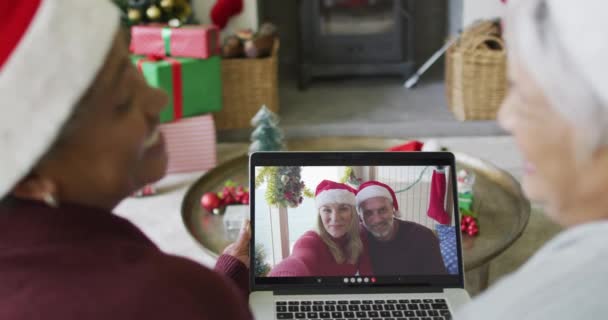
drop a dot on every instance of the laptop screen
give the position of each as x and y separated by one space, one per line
354 219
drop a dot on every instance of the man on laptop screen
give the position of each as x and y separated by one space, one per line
396 246
355 235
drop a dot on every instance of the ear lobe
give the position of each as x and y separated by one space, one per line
34 187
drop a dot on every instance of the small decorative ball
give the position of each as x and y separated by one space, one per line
228 199
239 193
167 4
153 13
284 179
245 198
210 201
183 12
134 15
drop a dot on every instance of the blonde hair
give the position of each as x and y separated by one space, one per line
354 248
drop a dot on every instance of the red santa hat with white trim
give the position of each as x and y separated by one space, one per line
334 192
50 53
374 189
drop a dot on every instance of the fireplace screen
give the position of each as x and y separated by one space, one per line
354 37
356 17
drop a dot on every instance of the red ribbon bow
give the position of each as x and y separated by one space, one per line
176 75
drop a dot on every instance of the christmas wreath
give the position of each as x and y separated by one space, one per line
285 186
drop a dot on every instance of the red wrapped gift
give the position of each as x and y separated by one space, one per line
189 41
190 143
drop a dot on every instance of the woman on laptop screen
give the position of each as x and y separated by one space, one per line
335 248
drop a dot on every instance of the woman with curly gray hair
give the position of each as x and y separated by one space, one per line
557 111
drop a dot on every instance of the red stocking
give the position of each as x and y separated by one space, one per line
437 198
223 10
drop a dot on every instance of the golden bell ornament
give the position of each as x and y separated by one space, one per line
134 15
153 13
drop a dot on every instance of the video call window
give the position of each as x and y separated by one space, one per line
360 220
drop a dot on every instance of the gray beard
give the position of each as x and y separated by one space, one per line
377 234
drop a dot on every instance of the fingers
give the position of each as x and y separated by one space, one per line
245 233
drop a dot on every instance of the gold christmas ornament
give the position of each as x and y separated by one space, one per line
153 13
183 12
134 15
167 5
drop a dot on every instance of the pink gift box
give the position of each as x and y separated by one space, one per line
189 41
191 144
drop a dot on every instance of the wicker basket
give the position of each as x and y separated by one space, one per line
476 81
247 84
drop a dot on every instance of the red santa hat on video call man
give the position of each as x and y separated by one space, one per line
334 192
373 189
50 53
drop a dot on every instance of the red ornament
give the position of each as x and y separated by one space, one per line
228 199
228 191
245 198
469 226
210 201
239 194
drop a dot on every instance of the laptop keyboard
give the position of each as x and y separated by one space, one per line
411 309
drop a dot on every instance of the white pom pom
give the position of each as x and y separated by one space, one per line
431 145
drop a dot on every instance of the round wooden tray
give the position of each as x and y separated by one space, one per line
503 209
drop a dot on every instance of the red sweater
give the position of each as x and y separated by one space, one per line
76 262
312 258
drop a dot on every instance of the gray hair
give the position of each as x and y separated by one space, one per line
561 44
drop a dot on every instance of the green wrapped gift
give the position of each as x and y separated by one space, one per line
194 86
465 201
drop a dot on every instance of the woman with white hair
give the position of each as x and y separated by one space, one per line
557 111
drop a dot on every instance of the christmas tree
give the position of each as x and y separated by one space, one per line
267 136
173 12
261 268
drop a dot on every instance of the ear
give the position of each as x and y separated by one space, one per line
34 187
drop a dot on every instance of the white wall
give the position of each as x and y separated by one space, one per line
247 19
481 9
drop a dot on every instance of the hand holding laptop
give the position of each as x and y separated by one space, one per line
240 248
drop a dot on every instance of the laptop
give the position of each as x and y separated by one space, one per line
394 277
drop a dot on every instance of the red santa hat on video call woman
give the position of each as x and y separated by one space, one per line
373 189
50 53
333 192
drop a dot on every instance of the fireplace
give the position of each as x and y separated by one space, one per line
354 37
